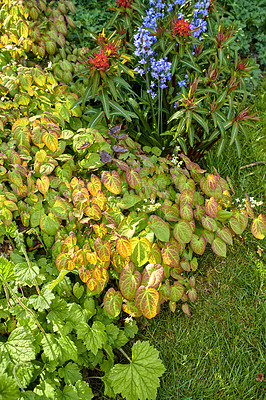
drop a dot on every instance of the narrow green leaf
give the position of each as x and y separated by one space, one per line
98 116
119 110
105 102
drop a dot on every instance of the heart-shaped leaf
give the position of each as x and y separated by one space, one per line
170 254
182 231
113 302
141 251
197 244
219 247
211 207
112 181
129 281
147 300
152 275
258 227
103 249
160 228
123 246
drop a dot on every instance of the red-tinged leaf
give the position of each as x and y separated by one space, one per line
209 224
185 265
182 183
68 243
147 301
113 302
192 281
211 207
170 254
50 139
204 185
219 247
115 130
258 227
64 262
239 222
152 275
129 281
123 246
102 249
194 264
94 185
192 295
171 213
212 181
187 196
177 291
185 309
207 235
183 232
141 251
249 208
118 148
122 165
105 157
199 212
118 261
172 306
164 293
225 235
6 216
130 308
112 181
160 228
186 212
133 179
43 184
155 256
93 212
197 244
84 274
15 178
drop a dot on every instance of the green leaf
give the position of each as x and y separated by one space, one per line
94 337
105 102
138 380
68 393
35 214
25 275
201 121
59 348
160 228
6 269
113 302
119 110
84 391
49 224
19 346
42 301
70 373
8 387
97 118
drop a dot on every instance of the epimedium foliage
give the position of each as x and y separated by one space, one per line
190 89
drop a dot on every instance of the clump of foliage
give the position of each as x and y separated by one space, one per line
251 19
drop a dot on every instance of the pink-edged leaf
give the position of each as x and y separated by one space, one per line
185 309
147 301
199 212
207 235
194 264
182 231
152 275
113 302
129 281
197 244
192 295
249 208
211 207
185 265
130 308
219 247
186 212
209 223
164 292
102 249
225 235
133 179
212 181
187 196
170 254
171 213
112 181
172 306
258 227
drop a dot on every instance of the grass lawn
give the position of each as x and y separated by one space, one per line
218 351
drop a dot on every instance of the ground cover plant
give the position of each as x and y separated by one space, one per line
98 231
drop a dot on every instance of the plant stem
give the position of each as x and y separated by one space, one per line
20 302
16 377
125 354
152 108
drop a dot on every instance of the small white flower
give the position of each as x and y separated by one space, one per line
145 200
237 200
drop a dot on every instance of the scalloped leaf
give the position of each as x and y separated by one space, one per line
133 179
211 207
160 228
152 275
238 222
219 247
141 251
170 254
102 249
258 227
138 380
123 246
6 269
209 223
129 281
112 181
147 300
182 231
113 302
197 244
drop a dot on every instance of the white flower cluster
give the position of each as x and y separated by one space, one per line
254 203
129 319
152 206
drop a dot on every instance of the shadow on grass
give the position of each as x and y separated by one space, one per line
218 351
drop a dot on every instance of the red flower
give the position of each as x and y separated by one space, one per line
99 61
181 28
110 49
124 3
